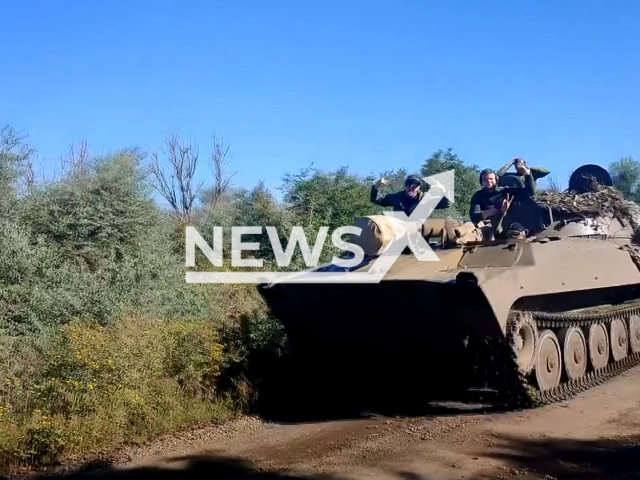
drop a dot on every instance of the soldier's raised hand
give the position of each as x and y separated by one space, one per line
521 166
506 203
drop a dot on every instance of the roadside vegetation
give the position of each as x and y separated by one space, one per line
102 341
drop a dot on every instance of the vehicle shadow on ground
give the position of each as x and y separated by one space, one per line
436 409
569 459
333 402
201 467
298 389
556 459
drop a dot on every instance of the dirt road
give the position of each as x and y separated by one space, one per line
594 435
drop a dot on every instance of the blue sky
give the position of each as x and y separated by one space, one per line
373 85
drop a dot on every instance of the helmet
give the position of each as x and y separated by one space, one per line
516 229
413 180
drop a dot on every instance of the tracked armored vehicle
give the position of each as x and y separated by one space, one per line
536 319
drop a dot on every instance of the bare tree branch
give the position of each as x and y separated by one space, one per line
77 163
554 186
29 177
219 163
178 189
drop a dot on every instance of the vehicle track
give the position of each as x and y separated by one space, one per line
618 323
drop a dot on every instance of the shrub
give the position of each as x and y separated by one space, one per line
87 386
97 215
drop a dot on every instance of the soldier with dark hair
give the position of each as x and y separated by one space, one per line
487 201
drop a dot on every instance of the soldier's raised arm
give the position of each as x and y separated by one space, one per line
539 172
382 200
529 188
505 167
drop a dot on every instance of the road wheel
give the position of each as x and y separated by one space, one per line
598 345
523 338
548 361
634 333
574 352
619 339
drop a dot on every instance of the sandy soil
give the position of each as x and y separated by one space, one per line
594 435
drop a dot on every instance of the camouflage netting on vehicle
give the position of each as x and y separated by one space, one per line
605 201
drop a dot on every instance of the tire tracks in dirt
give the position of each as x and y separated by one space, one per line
358 441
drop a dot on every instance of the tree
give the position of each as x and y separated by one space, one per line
221 176
332 199
98 215
259 208
177 186
15 164
626 177
335 199
218 200
78 162
466 180
178 190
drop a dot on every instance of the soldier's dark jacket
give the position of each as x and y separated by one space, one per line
401 202
484 198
